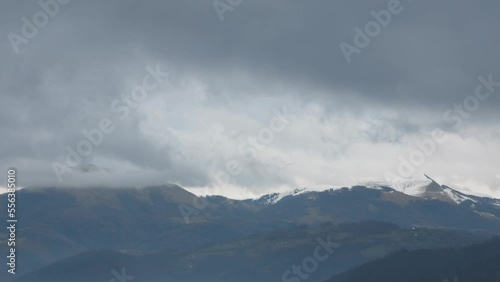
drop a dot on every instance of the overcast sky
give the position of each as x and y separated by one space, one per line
259 96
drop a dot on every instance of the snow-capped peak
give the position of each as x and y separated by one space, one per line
425 188
270 199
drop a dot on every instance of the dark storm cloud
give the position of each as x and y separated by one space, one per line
91 52
430 54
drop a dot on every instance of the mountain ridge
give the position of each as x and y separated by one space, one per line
62 222
425 189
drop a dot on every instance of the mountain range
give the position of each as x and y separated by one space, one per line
166 233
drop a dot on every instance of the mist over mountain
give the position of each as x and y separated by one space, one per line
249 140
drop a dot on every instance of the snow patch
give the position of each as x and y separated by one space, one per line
458 198
425 188
271 199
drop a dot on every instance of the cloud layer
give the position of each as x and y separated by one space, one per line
352 122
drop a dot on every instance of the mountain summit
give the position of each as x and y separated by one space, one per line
425 188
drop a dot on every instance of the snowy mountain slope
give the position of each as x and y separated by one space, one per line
425 188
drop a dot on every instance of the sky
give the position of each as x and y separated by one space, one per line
243 98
